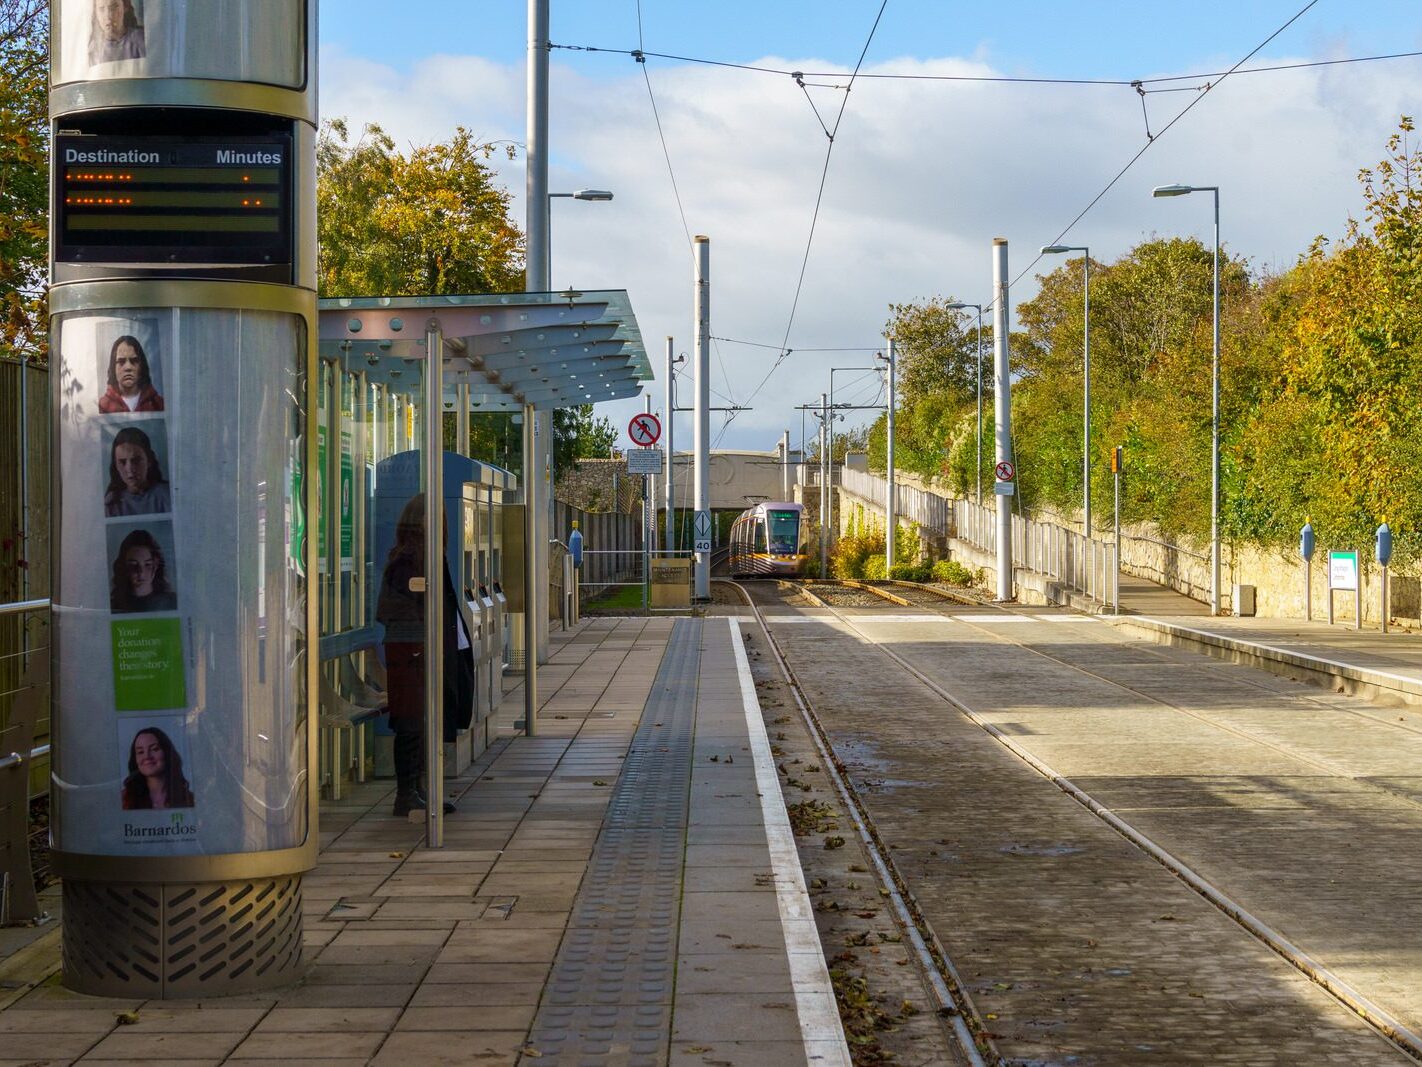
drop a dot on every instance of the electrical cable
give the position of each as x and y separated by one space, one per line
1152 141
986 78
776 348
666 153
819 199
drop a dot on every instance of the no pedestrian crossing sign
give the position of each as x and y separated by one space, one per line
1006 472
644 429
702 532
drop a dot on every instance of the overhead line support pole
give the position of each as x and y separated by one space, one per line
701 420
1002 410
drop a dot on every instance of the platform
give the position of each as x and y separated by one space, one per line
622 888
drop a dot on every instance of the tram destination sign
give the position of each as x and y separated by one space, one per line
161 199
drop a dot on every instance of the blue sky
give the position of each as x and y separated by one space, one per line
1125 38
924 174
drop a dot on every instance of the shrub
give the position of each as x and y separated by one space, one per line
911 572
876 568
951 572
851 550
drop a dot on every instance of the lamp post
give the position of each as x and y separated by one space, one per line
1052 250
979 308
1181 190
577 194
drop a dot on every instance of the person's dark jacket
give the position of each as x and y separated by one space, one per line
402 613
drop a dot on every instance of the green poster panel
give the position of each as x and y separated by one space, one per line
148 664
347 500
321 503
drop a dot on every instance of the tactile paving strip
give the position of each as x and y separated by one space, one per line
609 997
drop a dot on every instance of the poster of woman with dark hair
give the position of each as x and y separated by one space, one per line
130 380
155 773
136 483
140 576
115 33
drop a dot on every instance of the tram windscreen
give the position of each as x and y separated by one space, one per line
784 530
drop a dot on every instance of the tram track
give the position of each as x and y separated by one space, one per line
1400 1036
954 1002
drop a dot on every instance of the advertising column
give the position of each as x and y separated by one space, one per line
183 337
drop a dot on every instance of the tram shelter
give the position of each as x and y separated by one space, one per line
387 366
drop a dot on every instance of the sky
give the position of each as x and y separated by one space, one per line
923 173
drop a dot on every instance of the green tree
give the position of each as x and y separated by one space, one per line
432 221
24 176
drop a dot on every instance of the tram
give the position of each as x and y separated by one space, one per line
768 539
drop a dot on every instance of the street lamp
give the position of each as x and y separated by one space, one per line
979 307
578 194
1181 190
1054 250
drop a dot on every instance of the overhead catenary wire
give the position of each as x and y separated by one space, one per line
1155 140
987 78
661 135
819 199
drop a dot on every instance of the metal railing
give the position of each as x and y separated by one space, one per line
1086 565
931 511
28 702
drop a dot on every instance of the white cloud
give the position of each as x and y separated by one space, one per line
924 175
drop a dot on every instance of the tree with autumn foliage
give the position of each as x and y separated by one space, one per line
24 177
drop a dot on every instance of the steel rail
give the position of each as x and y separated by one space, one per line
949 989
1381 1020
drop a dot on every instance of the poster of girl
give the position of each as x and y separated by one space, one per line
155 773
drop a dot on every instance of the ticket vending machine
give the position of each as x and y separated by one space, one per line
483 503
183 271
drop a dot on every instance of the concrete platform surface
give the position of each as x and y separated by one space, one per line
464 954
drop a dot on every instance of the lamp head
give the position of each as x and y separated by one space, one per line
1053 250
592 194
1172 190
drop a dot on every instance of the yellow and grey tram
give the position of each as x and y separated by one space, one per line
768 539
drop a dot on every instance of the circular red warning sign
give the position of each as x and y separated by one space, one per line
1006 471
644 429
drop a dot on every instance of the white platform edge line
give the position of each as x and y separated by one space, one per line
820 1026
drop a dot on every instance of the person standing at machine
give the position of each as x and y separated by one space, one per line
401 610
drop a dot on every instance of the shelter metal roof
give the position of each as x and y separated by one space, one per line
550 350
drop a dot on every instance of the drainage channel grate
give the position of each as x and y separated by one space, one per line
609 997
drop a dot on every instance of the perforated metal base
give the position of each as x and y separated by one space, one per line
174 941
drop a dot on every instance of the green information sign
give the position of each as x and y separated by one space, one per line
347 500
148 664
320 524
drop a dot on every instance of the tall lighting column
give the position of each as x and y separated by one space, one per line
1181 190
1053 250
979 309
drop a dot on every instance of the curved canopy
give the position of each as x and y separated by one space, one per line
548 350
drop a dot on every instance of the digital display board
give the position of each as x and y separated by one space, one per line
155 200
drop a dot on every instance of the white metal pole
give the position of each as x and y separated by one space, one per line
980 406
1002 413
537 426
1215 431
701 417
824 484
1086 393
669 490
785 466
434 585
890 518
530 584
